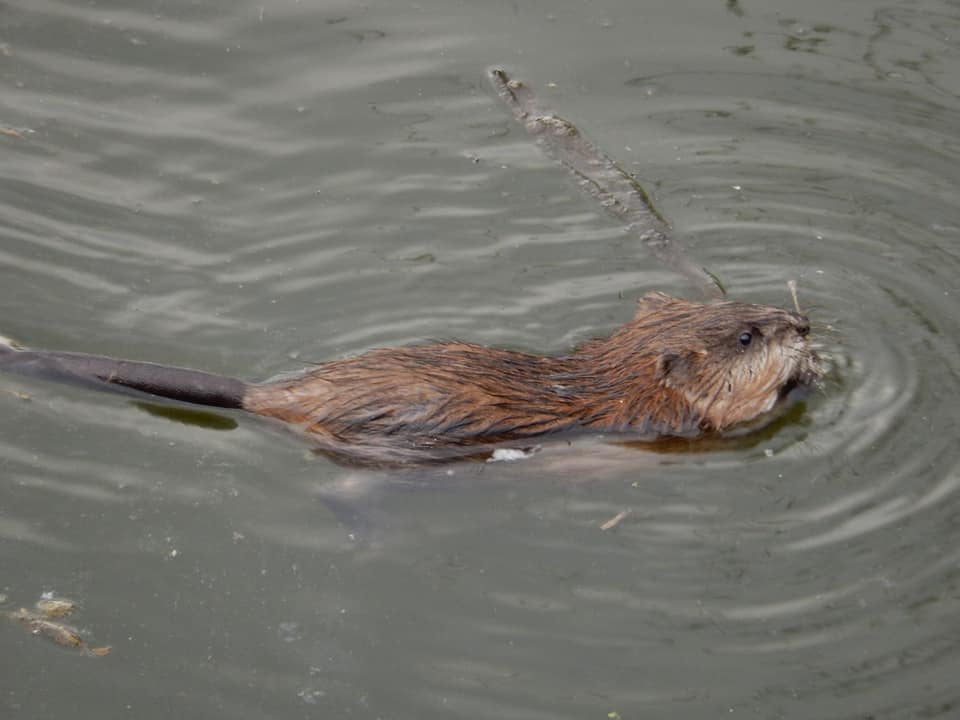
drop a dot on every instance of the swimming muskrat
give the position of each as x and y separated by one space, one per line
678 368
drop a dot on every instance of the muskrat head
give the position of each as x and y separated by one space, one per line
731 361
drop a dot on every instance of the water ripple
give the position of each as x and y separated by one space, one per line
237 188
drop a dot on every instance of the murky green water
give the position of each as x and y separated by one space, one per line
245 188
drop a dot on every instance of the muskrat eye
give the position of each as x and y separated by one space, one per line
745 339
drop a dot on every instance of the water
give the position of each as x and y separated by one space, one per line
245 188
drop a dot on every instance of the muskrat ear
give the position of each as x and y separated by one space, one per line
668 362
675 367
664 363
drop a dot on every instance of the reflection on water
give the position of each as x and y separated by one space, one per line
250 188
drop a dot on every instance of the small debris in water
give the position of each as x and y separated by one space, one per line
423 258
57 632
615 520
62 635
52 608
310 696
511 454
734 7
289 631
43 623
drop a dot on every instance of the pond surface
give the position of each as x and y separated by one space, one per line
248 188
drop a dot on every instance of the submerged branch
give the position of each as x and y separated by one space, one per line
602 178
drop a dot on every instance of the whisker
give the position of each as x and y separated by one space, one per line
826 330
792 284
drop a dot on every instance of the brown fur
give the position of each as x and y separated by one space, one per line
678 368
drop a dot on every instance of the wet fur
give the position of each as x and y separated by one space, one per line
676 369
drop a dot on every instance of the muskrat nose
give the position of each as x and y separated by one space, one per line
803 325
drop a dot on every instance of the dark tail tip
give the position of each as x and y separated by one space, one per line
192 386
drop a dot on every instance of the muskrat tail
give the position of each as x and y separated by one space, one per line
106 373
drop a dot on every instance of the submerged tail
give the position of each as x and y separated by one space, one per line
98 371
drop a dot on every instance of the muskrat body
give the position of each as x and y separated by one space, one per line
678 368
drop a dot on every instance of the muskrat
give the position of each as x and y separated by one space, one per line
677 368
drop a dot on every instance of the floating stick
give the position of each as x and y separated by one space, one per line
603 179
